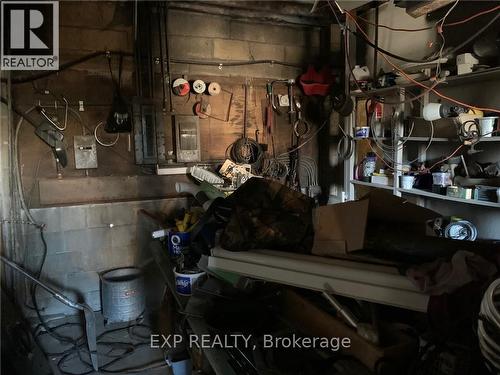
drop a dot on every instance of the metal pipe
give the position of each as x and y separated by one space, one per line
347 315
90 329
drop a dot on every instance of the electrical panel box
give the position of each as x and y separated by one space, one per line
85 152
149 135
187 131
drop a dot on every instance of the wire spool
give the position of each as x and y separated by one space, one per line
180 87
488 326
214 89
199 86
202 110
461 230
246 151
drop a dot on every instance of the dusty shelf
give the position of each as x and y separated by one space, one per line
369 184
428 194
482 75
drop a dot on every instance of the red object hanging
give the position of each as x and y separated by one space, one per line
316 83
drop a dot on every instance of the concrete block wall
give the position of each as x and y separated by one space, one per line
217 38
87 239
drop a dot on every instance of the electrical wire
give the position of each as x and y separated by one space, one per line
460 22
439 28
488 326
101 142
346 145
374 97
306 141
67 65
128 348
221 64
484 109
366 39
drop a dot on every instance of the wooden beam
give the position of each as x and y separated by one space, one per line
424 7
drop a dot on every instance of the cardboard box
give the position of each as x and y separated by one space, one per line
340 228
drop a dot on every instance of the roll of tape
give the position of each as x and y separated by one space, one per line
214 88
203 110
180 87
199 86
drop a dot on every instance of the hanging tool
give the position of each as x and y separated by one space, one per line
269 108
300 126
291 105
90 329
52 119
54 139
246 150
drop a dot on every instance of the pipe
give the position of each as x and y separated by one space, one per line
347 315
88 312
196 191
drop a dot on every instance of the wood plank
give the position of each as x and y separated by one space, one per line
312 320
424 7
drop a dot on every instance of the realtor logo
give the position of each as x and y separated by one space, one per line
30 35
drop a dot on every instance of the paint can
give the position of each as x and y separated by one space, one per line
181 367
185 279
177 242
441 179
362 132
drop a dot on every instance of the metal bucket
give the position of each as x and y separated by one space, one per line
122 294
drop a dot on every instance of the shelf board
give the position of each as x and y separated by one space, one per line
372 185
426 139
479 76
428 194
372 138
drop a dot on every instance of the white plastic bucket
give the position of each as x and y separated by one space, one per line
407 182
488 126
185 280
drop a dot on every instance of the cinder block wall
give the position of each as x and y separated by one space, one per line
207 37
85 240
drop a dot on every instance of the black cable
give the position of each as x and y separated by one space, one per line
430 59
55 335
69 64
18 112
233 63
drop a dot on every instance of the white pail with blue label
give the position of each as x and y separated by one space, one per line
185 280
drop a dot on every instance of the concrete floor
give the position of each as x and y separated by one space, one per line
142 356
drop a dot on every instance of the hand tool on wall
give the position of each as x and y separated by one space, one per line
291 105
270 114
90 329
54 138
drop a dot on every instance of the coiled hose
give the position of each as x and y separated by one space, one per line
488 328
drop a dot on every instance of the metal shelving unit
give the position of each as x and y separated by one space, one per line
399 91
428 194
373 185
482 75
